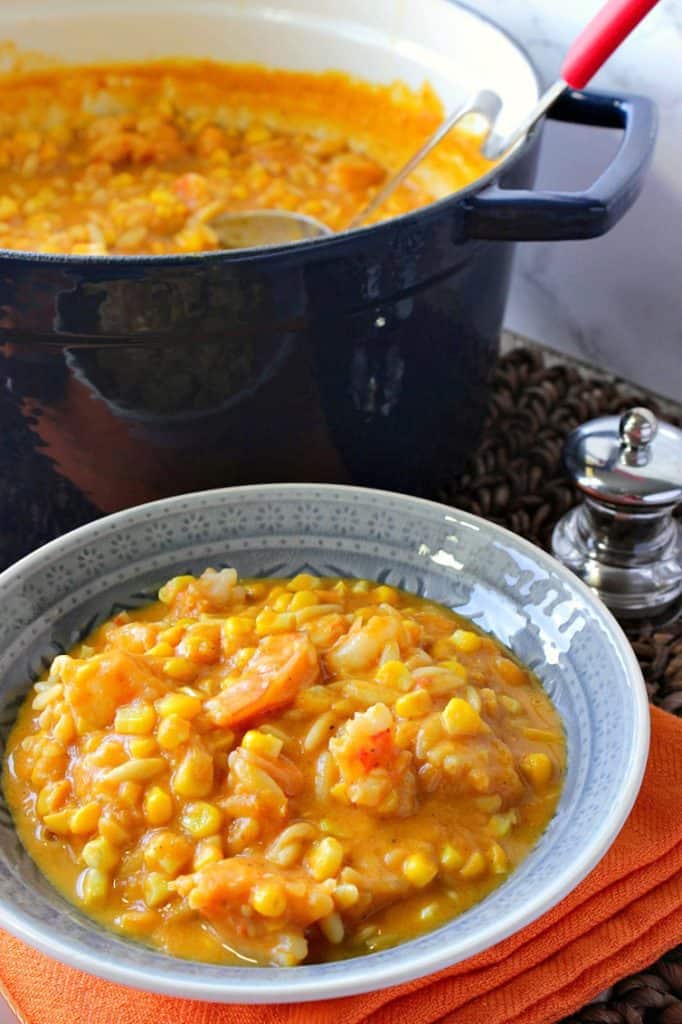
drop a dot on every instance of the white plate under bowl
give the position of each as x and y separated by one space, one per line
507 586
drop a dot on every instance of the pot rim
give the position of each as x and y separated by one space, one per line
326 242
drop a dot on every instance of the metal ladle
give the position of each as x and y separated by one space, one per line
595 44
280 227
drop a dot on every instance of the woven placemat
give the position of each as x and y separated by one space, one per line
515 479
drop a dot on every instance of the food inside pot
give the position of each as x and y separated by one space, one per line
283 771
139 158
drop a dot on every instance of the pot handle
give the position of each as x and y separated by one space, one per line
521 215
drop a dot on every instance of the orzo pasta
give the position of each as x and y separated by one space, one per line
273 772
139 158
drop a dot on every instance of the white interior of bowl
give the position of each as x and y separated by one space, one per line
382 40
508 587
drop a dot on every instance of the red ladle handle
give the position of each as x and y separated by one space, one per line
604 34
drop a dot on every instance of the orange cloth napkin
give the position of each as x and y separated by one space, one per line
623 916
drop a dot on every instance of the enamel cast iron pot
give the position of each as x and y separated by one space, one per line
362 357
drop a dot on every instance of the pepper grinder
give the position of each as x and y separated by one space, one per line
623 540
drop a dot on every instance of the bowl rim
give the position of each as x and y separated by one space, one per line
281 985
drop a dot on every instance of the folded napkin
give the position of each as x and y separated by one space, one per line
623 916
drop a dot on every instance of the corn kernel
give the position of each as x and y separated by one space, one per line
158 806
93 887
475 866
136 719
510 672
304 581
281 603
180 669
451 858
237 626
138 922
537 768
332 928
303 599
466 641
143 746
262 743
385 595
360 587
112 830
8 208
207 851
169 591
181 704
172 732
201 819
84 820
460 719
346 895
456 667
500 824
168 852
173 635
490 804
101 854
53 796
160 650
540 735
155 889
442 649
498 860
511 704
202 645
59 822
325 858
130 793
394 673
414 704
268 621
268 899
419 869
193 777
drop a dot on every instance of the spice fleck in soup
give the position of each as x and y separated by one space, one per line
130 159
282 771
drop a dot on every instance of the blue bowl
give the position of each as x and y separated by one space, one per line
507 586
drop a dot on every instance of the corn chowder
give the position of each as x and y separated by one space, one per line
282 771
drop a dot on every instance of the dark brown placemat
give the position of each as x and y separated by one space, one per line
516 479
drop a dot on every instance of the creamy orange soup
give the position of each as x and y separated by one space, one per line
282 771
140 158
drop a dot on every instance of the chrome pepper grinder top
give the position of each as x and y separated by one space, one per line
624 541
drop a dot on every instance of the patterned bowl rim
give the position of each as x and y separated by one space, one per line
286 985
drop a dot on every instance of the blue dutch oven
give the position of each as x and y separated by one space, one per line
364 357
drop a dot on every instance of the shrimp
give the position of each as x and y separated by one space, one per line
374 771
362 647
95 688
275 935
281 667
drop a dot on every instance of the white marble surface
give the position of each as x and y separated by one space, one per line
614 301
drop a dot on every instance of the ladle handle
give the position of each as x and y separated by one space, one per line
598 40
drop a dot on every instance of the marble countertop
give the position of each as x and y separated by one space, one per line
615 301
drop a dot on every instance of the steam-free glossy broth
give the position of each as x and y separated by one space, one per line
282 771
139 158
